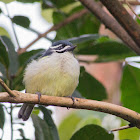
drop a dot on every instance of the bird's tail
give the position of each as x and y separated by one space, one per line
25 111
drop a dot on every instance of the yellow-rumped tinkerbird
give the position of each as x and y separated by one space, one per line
56 73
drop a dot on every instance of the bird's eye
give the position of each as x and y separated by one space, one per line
61 47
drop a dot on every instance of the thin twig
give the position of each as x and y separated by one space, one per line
56 27
6 109
124 18
131 9
110 23
122 112
33 30
11 120
12 24
7 89
122 128
135 3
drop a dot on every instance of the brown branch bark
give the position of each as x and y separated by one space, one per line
124 18
122 112
56 27
131 2
128 4
9 91
110 23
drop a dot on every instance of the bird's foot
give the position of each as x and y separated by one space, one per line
73 99
39 96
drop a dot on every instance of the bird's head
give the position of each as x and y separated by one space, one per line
62 46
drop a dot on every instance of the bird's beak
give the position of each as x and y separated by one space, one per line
71 48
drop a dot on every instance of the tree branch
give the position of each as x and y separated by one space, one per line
110 23
122 128
131 2
124 18
56 27
128 4
122 112
7 89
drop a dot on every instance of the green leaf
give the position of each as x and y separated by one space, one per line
48 7
2 117
24 59
131 133
0 10
103 39
89 87
84 38
130 88
49 121
47 14
2 71
88 120
59 3
87 113
13 56
68 126
7 1
92 132
77 27
42 131
68 8
107 48
35 111
47 4
3 54
28 1
22 21
137 19
18 81
3 32
22 134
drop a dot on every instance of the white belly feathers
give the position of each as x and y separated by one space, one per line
54 75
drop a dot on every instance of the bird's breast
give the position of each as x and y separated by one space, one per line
56 75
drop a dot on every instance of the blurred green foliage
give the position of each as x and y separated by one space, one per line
84 32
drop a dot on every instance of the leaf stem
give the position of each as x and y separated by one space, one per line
12 24
122 128
11 120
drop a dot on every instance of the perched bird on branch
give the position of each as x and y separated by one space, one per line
56 73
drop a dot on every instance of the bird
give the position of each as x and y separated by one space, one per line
55 73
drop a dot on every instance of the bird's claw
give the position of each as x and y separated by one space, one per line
39 96
73 99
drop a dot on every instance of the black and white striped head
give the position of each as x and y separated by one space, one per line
60 47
